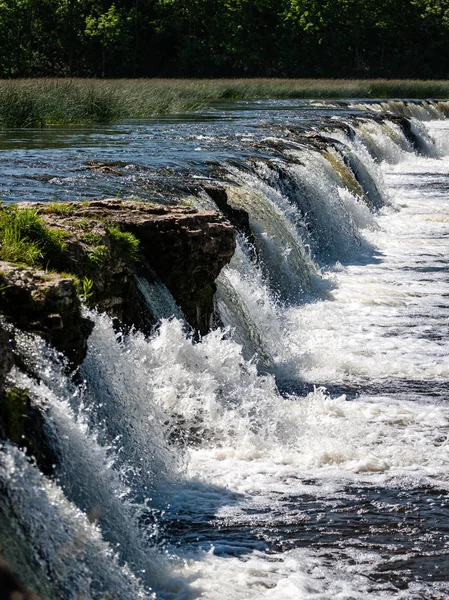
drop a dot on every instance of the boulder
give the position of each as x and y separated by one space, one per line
46 304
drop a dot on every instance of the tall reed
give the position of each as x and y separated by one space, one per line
37 102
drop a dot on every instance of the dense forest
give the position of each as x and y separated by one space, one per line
224 38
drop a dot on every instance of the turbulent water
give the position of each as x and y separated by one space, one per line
299 451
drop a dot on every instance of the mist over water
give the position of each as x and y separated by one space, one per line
299 450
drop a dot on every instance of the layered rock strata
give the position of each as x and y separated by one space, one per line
187 249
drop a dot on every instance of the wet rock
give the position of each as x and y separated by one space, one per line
22 423
10 586
406 127
237 216
46 304
187 249
6 354
105 168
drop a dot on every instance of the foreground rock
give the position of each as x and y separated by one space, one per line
103 244
46 304
187 249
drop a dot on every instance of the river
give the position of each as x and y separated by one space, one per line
298 451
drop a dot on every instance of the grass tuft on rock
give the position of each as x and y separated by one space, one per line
25 238
59 208
125 243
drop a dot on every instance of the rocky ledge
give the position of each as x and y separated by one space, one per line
92 250
185 247
53 256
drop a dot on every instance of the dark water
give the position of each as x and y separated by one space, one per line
148 157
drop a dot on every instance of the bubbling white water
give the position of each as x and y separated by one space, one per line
384 325
292 575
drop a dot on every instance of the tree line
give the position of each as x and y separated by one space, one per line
224 38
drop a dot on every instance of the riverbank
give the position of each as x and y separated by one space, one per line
39 102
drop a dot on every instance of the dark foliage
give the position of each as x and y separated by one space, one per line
225 38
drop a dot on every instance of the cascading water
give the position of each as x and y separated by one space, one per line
276 225
299 451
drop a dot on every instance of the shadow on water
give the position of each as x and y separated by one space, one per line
367 255
405 531
400 388
192 522
408 529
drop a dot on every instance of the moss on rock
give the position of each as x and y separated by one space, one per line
187 249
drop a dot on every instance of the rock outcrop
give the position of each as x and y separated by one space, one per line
187 249
46 304
101 243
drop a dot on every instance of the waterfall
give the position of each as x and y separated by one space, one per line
60 553
276 225
99 474
159 437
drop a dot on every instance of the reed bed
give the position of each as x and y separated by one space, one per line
39 102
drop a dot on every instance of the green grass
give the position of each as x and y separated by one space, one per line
26 239
86 290
98 256
38 102
59 208
20 108
125 243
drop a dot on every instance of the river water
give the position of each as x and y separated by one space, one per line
300 450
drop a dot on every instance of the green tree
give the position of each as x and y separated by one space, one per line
107 28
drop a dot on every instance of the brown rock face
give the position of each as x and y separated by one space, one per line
47 304
187 249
